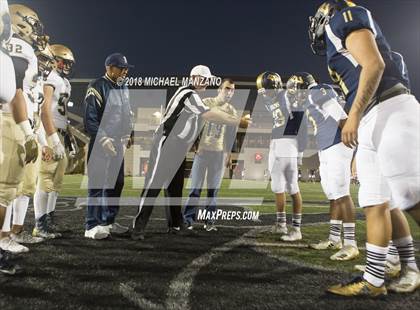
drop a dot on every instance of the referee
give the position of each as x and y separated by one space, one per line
175 135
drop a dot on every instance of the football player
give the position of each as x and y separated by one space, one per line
21 140
321 103
383 121
57 90
286 149
7 92
27 187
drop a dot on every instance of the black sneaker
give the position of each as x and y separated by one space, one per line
137 235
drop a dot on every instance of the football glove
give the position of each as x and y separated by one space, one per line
57 147
31 146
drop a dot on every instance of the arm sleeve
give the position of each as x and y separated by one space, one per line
195 104
21 65
302 137
351 19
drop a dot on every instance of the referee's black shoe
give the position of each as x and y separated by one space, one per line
137 234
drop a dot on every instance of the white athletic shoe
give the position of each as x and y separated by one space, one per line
97 233
279 229
391 270
25 238
10 245
293 235
348 252
408 282
326 245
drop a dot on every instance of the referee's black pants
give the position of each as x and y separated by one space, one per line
165 170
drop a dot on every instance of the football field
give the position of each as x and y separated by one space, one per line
241 266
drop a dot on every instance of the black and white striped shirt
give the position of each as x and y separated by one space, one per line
181 117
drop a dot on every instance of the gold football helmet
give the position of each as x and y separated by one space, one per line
64 59
26 24
271 82
45 61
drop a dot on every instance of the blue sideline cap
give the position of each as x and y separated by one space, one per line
117 60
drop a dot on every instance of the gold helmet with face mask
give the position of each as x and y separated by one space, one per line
45 61
64 59
26 25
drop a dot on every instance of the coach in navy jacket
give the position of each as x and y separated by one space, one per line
108 122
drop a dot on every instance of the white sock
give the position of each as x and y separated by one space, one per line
392 255
296 220
375 264
335 231
20 207
405 248
52 201
349 230
40 203
7 219
281 218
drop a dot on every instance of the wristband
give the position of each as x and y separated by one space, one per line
26 128
53 139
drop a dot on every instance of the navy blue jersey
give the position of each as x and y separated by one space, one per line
344 69
325 113
288 121
107 110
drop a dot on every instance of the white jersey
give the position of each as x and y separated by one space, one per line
61 96
5 23
18 48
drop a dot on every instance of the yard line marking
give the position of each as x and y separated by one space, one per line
127 290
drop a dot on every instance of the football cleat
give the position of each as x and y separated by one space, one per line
25 238
45 234
6 267
96 233
279 229
358 287
391 270
8 244
348 252
408 282
326 245
293 235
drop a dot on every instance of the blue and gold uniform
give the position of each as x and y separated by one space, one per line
325 115
288 121
344 69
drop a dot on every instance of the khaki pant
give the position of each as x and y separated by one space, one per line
51 173
11 167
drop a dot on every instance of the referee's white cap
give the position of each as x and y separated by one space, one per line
201 70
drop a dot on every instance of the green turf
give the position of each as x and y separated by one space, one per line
230 188
312 234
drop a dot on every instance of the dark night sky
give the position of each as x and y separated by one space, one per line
238 38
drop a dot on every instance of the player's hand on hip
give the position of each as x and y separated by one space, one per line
349 131
109 147
31 149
